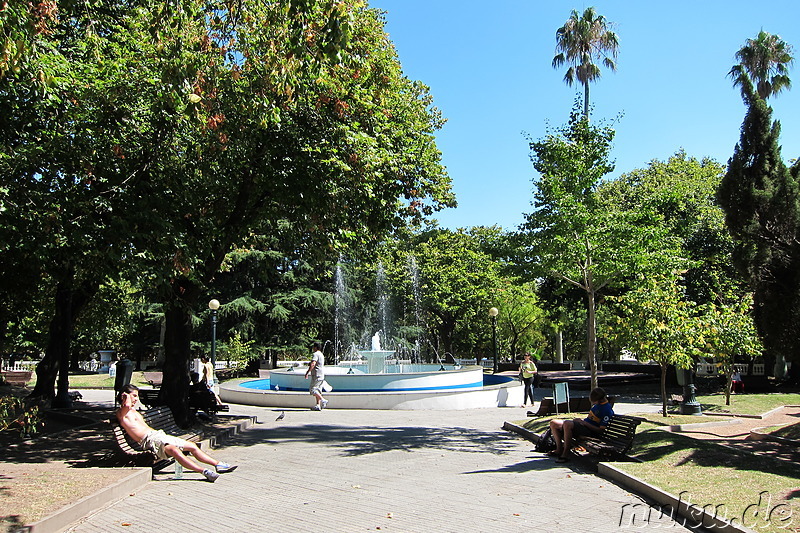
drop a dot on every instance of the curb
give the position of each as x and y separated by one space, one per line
75 511
140 476
528 434
697 425
694 515
690 512
755 434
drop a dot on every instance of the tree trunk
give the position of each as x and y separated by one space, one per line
591 335
69 301
57 344
664 388
177 348
559 340
728 383
586 100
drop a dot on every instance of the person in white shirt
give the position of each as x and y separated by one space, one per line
317 372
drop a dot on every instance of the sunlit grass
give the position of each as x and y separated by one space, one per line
705 473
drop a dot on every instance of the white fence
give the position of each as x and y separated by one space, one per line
19 365
711 369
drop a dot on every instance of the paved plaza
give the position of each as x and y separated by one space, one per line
389 471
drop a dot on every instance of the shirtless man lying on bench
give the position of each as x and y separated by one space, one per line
160 443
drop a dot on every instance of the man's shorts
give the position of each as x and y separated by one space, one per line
156 440
316 386
580 430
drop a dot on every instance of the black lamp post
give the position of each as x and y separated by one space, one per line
690 405
213 305
493 312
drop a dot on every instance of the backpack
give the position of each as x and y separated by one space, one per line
546 442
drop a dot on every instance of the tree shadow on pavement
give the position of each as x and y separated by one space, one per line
357 441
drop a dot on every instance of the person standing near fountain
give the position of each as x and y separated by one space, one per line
528 370
317 372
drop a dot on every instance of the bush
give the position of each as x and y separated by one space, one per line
15 416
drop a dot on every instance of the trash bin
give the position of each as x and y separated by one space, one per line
124 374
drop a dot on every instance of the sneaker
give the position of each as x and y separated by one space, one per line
211 476
316 408
224 468
324 404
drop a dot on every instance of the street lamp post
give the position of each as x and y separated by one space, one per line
690 405
214 306
493 312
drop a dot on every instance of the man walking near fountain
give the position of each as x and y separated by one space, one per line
317 372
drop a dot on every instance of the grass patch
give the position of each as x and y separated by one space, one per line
710 474
791 431
95 381
735 482
747 404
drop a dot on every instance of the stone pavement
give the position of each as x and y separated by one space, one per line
358 470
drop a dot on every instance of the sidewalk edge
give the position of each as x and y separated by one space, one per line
73 512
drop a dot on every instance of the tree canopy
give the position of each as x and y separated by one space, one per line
582 40
161 136
576 236
763 62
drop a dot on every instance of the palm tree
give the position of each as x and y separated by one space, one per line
763 61
581 40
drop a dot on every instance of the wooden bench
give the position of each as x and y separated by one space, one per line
17 377
153 378
157 418
577 404
149 398
616 439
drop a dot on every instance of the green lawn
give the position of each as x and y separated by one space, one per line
711 474
747 404
96 381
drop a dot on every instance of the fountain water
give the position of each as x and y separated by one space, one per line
376 358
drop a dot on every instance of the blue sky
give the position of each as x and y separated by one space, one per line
488 66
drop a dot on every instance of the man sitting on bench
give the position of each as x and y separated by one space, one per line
592 426
160 443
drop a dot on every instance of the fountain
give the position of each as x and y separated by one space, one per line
376 358
379 378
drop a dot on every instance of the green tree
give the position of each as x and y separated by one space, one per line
761 200
658 324
574 235
278 300
581 41
458 285
764 62
164 141
284 141
522 321
682 191
730 332
68 106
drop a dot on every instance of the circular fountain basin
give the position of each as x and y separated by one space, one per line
403 377
397 387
